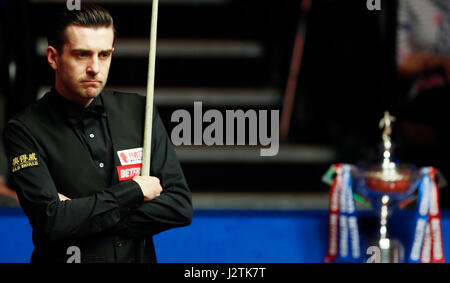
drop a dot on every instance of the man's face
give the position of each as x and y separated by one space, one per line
82 67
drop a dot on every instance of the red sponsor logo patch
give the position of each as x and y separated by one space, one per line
127 172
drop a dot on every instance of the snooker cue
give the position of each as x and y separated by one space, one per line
146 151
147 146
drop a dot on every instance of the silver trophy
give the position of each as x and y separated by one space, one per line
386 185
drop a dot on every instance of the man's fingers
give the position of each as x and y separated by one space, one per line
150 186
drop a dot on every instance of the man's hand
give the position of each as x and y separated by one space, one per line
150 186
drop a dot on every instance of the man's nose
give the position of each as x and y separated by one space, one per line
93 67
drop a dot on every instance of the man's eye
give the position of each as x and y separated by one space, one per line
83 54
104 54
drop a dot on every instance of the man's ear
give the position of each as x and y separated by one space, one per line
52 57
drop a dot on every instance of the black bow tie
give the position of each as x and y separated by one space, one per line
77 115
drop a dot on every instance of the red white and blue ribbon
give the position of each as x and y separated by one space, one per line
427 243
344 240
333 216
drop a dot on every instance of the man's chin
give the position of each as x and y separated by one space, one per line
92 92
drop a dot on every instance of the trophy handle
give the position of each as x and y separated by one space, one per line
440 178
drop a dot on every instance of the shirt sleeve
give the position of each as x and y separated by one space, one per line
38 196
173 208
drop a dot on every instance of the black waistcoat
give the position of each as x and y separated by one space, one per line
75 173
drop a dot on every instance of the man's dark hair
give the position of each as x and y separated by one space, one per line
90 15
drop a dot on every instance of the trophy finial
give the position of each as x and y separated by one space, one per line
386 120
386 123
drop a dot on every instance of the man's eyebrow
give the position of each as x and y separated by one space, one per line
88 50
81 50
107 50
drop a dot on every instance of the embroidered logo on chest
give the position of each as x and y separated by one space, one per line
130 156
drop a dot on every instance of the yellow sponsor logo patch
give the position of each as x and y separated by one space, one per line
24 161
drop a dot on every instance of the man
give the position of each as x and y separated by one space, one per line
423 64
69 153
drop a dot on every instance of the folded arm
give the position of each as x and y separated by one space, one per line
173 208
40 199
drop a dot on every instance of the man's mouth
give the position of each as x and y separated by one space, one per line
91 82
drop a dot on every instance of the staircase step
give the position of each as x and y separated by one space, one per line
210 97
287 154
196 19
240 177
172 72
134 47
261 201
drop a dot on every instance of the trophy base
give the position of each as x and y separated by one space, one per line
395 253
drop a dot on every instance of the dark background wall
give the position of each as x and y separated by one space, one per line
347 78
